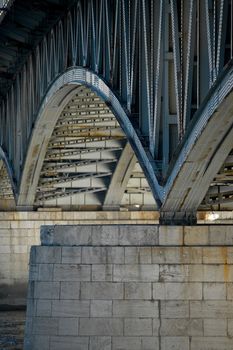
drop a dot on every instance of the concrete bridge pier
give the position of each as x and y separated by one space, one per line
123 287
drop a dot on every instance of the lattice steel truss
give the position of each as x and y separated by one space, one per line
160 58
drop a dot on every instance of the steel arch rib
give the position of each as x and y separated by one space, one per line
6 162
60 92
204 149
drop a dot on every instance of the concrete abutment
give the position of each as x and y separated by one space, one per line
123 287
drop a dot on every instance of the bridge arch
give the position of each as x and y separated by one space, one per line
203 151
56 98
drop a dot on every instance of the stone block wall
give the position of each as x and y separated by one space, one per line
20 230
132 287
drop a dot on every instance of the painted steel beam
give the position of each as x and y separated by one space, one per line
204 150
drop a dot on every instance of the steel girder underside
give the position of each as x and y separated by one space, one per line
164 68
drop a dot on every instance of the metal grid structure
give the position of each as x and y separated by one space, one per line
168 62
86 144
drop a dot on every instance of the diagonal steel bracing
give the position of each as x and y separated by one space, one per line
153 62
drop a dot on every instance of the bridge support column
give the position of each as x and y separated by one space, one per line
131 287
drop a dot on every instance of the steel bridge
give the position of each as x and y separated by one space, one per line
117 104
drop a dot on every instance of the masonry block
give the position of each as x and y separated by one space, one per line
69 290
135 273
176 255
101 308
68 326
100 343
215 327
138 327
174 343
177 291
181 327
106 235
130 288
102 272
214 291
134 290
71 255
45 326
102 290
137 255
211 309
126 343
150 343
135 308
44 308
105 326
50 255
68 342
146 235
70 308
46 290
213 343
171 235
65 272
196 235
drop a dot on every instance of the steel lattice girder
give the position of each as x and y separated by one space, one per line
154 58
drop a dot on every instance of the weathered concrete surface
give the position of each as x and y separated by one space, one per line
131 287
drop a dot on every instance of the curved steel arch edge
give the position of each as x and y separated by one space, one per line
75 77
221 92
10 172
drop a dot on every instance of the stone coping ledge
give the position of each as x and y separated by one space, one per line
136 235
113 217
